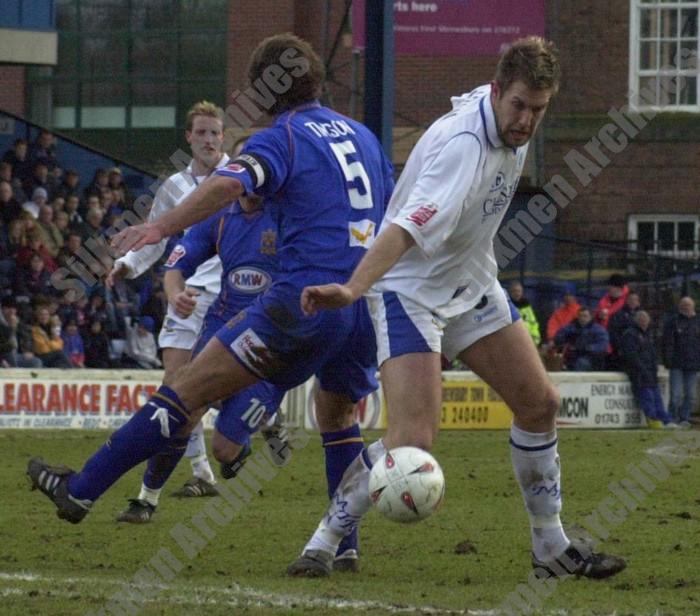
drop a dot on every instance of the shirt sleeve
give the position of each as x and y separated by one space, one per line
198 245
142 260
433 208
264 164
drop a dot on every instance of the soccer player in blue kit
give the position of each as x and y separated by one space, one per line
326 181
247 249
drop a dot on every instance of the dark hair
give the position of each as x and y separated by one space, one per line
616 280
532 60
298 75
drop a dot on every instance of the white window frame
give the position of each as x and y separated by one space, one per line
633 219
635 73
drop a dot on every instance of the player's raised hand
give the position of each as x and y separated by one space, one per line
185 302
136 237
325 297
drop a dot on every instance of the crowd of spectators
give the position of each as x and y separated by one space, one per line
617 334
45 221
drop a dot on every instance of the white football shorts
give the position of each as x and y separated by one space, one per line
179 333
402 326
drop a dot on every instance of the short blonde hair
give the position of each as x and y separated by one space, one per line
203 108
532 60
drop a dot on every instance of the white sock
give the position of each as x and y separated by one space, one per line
197 453
150 495
349 502
536 465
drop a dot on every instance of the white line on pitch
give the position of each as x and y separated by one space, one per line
235 595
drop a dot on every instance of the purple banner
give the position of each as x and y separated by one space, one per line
456 27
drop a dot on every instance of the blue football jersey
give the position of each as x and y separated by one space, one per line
247 247
326 181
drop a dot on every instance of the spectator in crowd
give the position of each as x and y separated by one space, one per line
75 220
681 355
116 183
48 343
69 184
10 209
70 249
73 347
16 342
620 322
100 181
141 350
61 222
6 176
43 151
33 280
563 315
16 237
40 178
39 198
34 245
153 301
97 310
584 343
50 235
613 300
527 313
93 224
18 160
97 347
58 204
7 260
639 361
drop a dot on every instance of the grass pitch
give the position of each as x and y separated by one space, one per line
466 559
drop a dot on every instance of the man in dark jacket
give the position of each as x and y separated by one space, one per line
620 322
681 355
584 342
639 360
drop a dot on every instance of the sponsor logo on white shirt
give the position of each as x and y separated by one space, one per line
423 214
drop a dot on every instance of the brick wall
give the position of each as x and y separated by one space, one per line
12 96
654 174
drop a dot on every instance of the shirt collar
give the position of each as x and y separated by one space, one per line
222 161
489 119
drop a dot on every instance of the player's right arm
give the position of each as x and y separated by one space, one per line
136 262
386 250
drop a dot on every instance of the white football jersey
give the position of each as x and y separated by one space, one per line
451 197
170 194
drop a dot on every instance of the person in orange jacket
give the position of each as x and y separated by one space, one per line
563 315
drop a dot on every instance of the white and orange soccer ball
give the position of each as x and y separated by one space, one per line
406 484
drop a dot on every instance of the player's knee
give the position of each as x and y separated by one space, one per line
551 402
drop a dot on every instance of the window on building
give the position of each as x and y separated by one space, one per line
131 65
669 235
664 55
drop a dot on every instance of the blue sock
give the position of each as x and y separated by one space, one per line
145 434
160 466
341 448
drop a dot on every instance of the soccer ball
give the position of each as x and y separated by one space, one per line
406 484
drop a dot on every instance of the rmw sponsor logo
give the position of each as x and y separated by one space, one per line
249 280
235 168
422 215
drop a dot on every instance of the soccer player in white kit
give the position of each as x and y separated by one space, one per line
204 132
430 280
